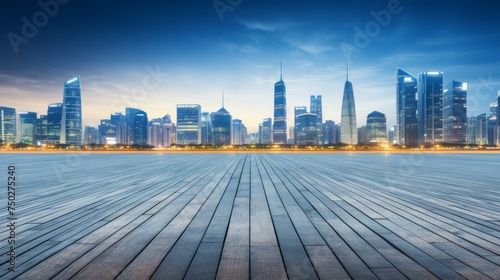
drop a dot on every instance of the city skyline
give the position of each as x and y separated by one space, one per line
176 54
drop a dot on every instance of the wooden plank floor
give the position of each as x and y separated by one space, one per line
255 216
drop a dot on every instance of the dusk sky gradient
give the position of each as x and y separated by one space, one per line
115 45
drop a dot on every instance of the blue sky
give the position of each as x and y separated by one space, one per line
153 55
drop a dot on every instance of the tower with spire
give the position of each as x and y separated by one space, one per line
348 128
222 125
279 125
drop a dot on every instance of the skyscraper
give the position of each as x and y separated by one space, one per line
222 127
349 131
455 113
8 125
279 126
297 110
71 125
90 135
430 107
471 130
481 130
267 133
137 126
141 128
26 127
498 118
406 109
206 128
41 130
317 108
492 123
331 133
119 121
376 128
307 129
54 123
239 132
188 124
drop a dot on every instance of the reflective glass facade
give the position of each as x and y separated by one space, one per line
71 126
406 109
455 113
348 129
430 107
8 125
188 124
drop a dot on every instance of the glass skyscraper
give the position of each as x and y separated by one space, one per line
267 134
317 108
54 123
297 110
26 127
41 130
376 128
406 109
307 129
455 113
280 126
430 107
137 126
222 127
206 128
481 130
71 126
188 124
8 125
348 129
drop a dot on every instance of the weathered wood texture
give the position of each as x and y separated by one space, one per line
255 216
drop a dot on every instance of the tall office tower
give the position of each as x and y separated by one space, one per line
492 123
317 108
349 131
455 113
71 125
206 128
107 132
188 124
392 135
119 121
481 130
362 136
54 123
297 110
376 128
137 126
90 135
41 130
222 127
267 132
307 129
331 134
238 132
26 127
8 125
168 134
430 107
260 134
406 109
140 128
498 119
279 126
471 130
155 135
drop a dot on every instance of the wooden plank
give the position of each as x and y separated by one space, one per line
266 263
